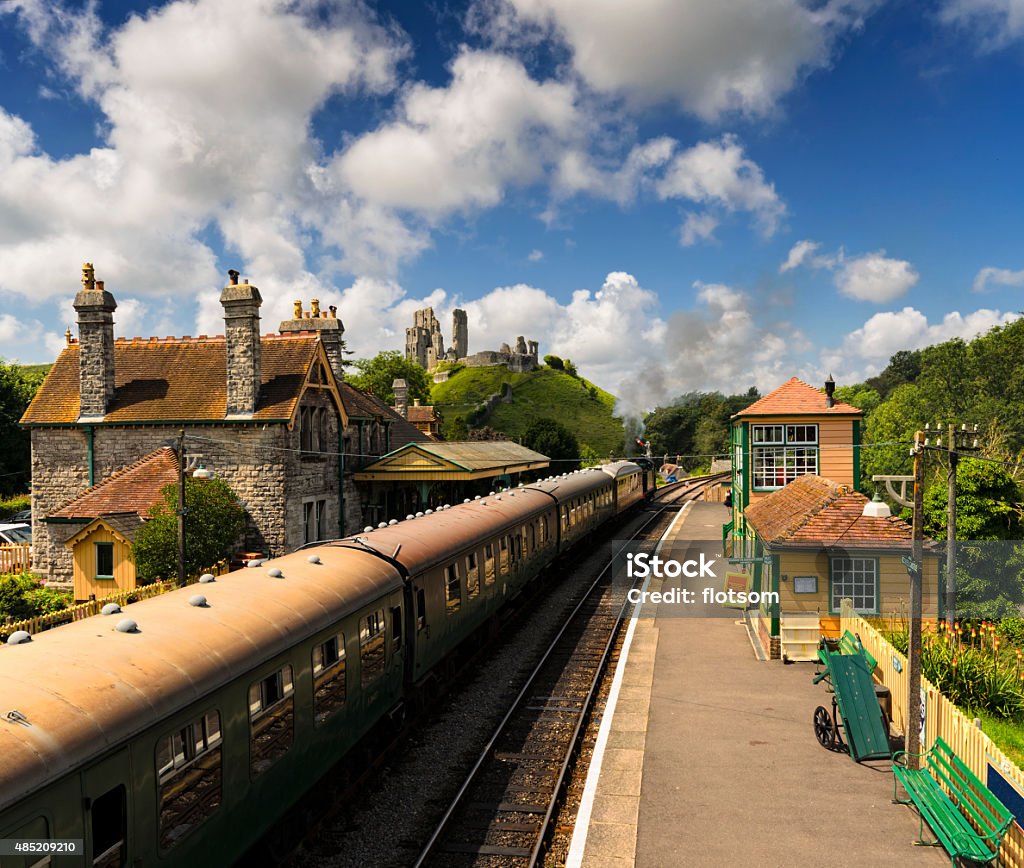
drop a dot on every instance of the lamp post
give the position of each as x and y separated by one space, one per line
200 473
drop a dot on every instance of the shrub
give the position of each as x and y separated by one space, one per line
570 369
23 596
554 362
14 503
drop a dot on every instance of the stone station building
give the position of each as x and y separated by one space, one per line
265 413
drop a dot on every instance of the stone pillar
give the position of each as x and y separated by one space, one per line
534 350
460 334
401 390
241 302
521 345
95 307
328 327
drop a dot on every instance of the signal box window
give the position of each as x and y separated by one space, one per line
452 588
328 677
271 719
110 829
188 769
781 453
371 646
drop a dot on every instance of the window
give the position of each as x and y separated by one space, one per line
305 429
271 719
452 588
396 628
109 829
313 512
371 646
856 578
328 677
503 555
472 576
781 453
188 767
421 608
322 430
104 560
489 564
38 828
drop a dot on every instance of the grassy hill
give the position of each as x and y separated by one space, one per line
537 394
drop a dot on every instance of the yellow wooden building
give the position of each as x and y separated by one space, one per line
102 556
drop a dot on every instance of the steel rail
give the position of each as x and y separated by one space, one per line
680 489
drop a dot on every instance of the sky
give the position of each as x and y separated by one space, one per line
677 195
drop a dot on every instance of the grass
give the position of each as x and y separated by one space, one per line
537 394
1008 736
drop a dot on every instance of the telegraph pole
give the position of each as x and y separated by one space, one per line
954 459
914 569
181 508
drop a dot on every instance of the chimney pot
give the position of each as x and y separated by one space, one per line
830 388
297 309
232 277
314 304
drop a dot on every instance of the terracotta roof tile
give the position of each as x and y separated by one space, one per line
176 379
133 489
812 511
795 397
364 405
422 413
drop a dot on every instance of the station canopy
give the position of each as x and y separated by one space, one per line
477 459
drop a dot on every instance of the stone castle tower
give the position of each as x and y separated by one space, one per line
424 344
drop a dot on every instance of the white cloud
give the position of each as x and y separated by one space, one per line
577 171
997 276
994 23
718 174
798 255
697 228
875 277
709 58
206 118
460 146
909 329
535 255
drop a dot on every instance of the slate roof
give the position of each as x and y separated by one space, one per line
814 512
133 489
363 405
796 398
177 380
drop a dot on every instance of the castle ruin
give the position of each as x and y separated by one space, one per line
424 343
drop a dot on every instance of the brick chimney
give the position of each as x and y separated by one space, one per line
95 307
401 390
328 327
241 302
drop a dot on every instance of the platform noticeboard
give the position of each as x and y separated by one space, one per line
738 582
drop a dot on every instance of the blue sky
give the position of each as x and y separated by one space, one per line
678 195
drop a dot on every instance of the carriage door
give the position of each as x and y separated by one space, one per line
106 799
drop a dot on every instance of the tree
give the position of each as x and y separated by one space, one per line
457 429
570 368
554 362
554 440
17 387
487 433
214 520
376 376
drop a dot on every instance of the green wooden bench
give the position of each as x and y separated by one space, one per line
968 820
848 644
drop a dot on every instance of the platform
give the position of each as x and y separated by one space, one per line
711 759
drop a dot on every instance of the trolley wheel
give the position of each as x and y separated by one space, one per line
824 730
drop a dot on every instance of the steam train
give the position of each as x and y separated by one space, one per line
176 732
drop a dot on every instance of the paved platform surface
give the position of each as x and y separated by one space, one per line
711 757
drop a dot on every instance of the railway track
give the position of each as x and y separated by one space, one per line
506 809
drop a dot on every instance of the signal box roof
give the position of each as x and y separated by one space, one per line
797 398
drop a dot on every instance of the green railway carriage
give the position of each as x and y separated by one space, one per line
181 741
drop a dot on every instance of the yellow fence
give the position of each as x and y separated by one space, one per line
942 718
93 607
15 558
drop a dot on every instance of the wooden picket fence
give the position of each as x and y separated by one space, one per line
942 719
15 557
93 607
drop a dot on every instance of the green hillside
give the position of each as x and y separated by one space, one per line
537 394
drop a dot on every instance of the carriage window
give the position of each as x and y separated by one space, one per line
453 589
371 645
38 829
503 555
110 829
472 576
489 564
328 677
271 719
421 608
188 765
396 628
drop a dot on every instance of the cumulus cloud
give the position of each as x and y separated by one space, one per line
798 255
870 346
578 171
875 277
460 146
718 174
697 228
993 23
535 255
997 276
709 58
195 133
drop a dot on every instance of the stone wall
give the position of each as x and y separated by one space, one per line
310 476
